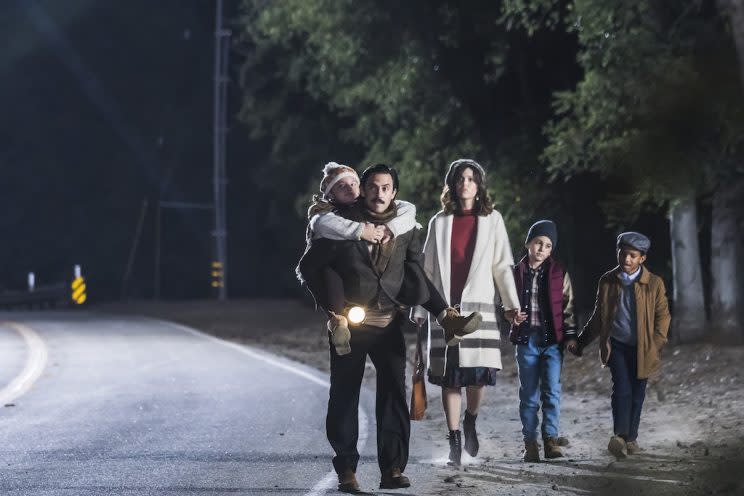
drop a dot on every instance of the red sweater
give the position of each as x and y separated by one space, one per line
464 231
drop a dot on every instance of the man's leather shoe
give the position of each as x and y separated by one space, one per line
347 482
394 479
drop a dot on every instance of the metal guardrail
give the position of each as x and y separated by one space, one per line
47 296
50 296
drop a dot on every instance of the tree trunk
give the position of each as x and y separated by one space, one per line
689 323
736 14
723 263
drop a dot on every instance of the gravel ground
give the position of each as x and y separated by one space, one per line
692 427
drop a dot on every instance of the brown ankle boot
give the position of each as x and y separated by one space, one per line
552 450
531 452
394 479
456 326
347 482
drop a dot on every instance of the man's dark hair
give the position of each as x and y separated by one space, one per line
379 169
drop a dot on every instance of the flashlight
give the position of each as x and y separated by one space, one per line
356 315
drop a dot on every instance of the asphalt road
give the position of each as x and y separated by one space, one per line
115 405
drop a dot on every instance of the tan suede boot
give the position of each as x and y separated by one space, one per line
632 447
617 447
456 326
551 448
338 326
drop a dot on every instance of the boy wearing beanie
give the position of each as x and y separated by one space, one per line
631 318
545 321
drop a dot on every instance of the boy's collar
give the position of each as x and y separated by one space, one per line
644 278
526 262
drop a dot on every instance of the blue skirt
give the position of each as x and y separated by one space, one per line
465 376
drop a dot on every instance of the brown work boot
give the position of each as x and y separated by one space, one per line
456 326
531 452
617 447
338 326
347 482
394 479
552 450
632 447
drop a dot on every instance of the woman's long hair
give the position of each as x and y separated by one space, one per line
450 203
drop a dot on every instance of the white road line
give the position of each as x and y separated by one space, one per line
324 485
329 481
35 363
246 351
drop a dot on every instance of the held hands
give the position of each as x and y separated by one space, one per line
573 346
515 316
373 233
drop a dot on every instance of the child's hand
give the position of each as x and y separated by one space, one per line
372 233
573 346
515 316
387 236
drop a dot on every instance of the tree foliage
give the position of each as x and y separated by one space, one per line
416 84
659 112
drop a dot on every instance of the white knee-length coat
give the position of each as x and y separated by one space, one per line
490 283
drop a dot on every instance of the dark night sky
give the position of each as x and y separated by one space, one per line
107 104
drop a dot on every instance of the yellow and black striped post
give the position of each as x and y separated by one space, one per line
217 275
79 294
79 289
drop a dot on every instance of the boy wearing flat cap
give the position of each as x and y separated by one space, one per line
545 321
631 318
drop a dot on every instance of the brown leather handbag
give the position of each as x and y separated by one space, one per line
418 386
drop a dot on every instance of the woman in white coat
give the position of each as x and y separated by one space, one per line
468 257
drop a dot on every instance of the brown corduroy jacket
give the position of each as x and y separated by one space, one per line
652 315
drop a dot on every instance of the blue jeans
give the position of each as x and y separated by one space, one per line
628 392
539 382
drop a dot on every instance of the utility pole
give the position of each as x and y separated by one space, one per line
174 205
221 54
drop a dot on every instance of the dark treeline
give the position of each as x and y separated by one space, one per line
603 116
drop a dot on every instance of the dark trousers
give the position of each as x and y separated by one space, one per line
387 350
628 392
